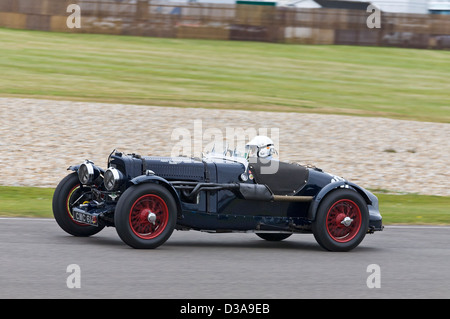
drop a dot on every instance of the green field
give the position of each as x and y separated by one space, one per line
395 209
367 81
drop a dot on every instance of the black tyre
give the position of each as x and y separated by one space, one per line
342 220
273 236
145 216
68 192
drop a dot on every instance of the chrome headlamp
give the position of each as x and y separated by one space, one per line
87 173
112 179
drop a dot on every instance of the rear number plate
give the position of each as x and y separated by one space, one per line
85 218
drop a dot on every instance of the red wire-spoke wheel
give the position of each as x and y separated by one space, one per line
145 215
149 216
343 220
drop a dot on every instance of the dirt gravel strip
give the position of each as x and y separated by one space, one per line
39 139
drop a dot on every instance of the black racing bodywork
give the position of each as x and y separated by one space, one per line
226 195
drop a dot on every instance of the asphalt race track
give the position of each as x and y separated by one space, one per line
35 253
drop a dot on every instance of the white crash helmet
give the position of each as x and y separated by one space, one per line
260 146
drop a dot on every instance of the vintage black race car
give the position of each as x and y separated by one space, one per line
145 198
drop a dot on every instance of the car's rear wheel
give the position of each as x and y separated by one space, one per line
68 193
342 220
145 216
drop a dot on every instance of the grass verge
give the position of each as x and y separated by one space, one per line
395 209
414 209
26 202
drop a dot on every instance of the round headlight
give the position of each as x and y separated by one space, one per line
86 173
112 178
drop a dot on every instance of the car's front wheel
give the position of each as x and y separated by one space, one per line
145 216
70 193
342 220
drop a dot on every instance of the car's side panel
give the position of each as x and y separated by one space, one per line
237 213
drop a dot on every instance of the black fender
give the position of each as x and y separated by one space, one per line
331 187
161 181
75 168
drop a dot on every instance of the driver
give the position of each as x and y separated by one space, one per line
260 147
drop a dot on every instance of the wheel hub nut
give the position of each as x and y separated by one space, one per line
151 218
346 221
